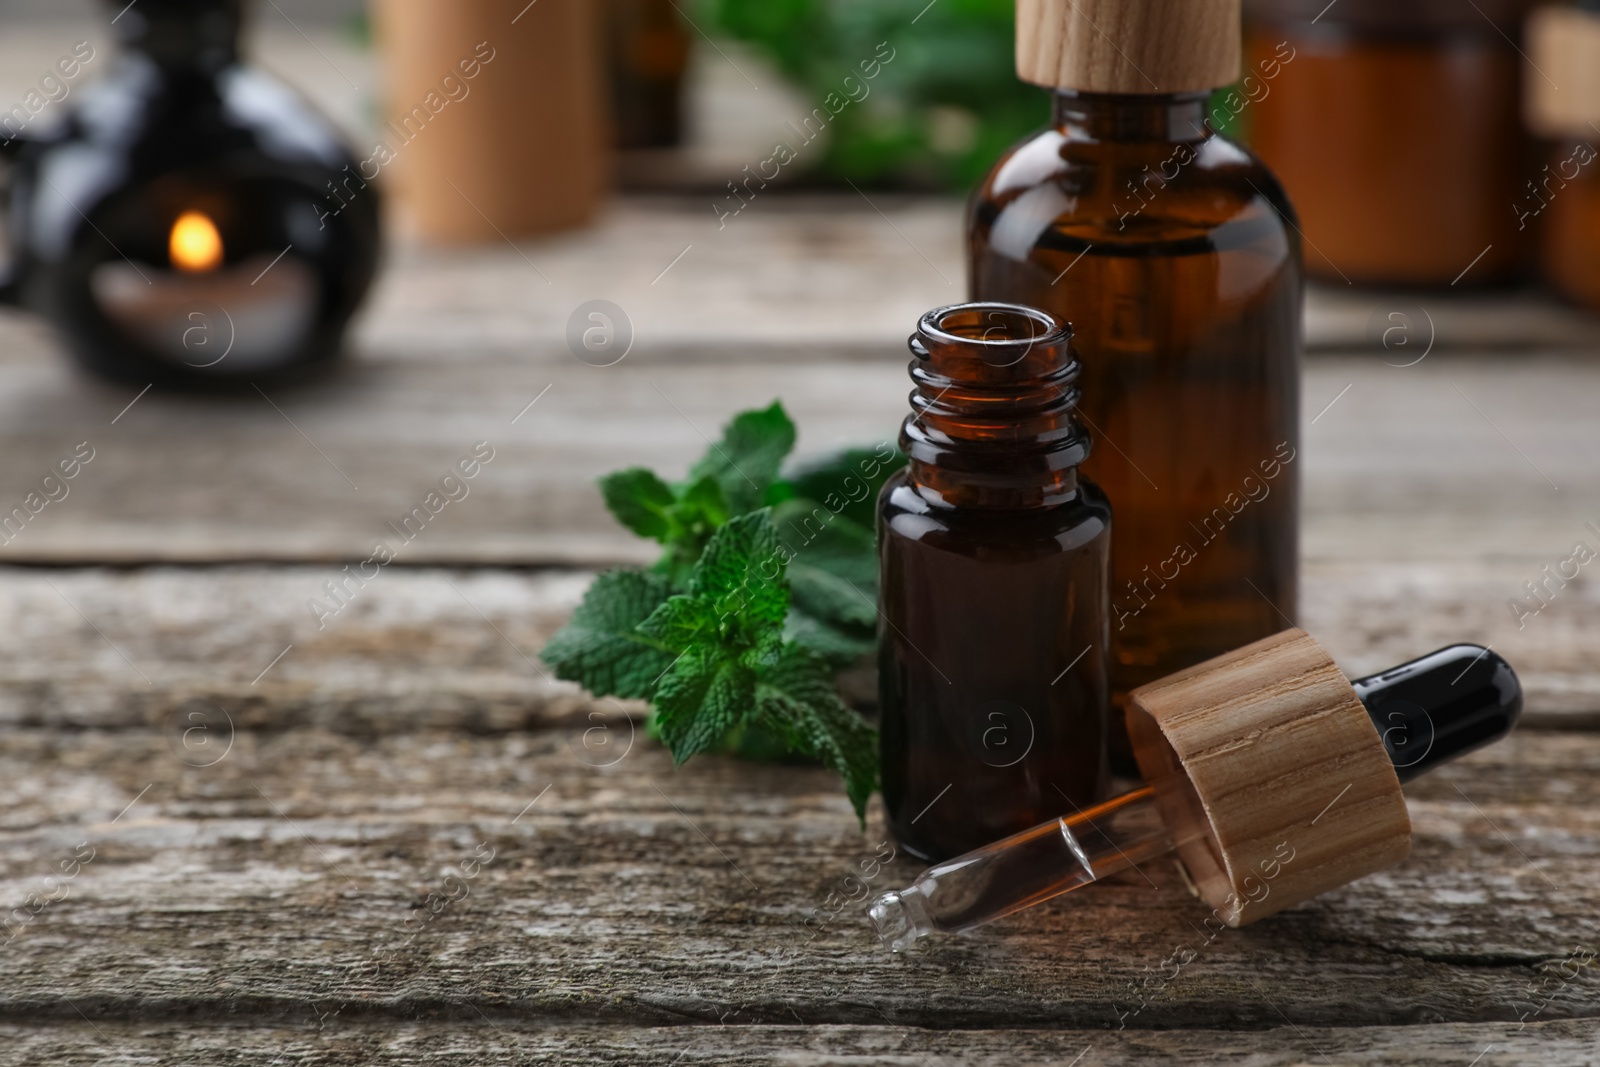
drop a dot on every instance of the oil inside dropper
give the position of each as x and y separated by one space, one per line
1025 869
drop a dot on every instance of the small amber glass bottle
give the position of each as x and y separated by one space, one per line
649 54
1562 200
1172 252
994 554
1396 129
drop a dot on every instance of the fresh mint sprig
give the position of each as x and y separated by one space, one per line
766 586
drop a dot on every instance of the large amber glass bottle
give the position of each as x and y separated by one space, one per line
994 553
1173 253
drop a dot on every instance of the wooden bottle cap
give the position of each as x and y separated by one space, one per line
1270 773
496 113
1128 46
1563 79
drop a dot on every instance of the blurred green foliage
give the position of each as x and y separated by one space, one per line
937 115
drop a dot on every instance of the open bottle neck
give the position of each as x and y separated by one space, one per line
992 421
1131 117
183 35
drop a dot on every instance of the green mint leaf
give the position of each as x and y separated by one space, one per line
765 587
702 697
841 646
796 698
746 461
742 573
600 647
679 695
683 622
835 600
848 481
726 628
642 502
846 743
753 741
833 581
699 510
702 506
817 537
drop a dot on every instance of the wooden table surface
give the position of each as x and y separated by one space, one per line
268 805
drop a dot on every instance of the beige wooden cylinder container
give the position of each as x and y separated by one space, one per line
1267 762
1562 82
1129 46
495 115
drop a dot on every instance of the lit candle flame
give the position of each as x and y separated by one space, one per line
195 244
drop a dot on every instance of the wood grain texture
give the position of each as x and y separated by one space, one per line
1268 753
502 1039
1453 459
386 748
426 646
291 878
423 647
1128 46
828 272
1397 328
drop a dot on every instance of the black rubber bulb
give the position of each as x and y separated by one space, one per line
1444 705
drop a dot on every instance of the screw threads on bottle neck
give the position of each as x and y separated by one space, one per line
1170 117
992 414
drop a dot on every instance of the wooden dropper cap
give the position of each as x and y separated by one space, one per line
1268 765
1271 773
1129 46
1562 79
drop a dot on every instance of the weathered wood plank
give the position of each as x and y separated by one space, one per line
1373 615
280 881
505 1039
415 648
1342 317
421 647
1469 457
243 480
1454 458
821 270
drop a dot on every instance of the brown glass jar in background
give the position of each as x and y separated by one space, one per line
1172 252
1396 129
1562 199
649 53
992 653
1569 229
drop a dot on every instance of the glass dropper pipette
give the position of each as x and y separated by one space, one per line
1426 713
1025 869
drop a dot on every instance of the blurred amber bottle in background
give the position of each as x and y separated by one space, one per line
1562 199
649 54
1172 252
1397 131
